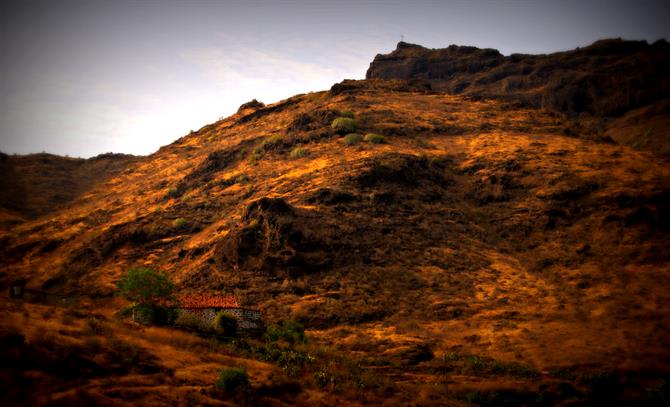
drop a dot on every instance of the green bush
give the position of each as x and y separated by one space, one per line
233 380
352 138
149 290
226 324
344 125
290 331
172 192
298 152
291 360
375 138
152 314
179 223
273 141
145 286
347 113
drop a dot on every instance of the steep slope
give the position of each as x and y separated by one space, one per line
484 246
36 184
604 80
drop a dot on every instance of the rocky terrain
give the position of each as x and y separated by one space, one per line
481 249
606 79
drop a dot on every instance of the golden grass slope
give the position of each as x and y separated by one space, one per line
483 247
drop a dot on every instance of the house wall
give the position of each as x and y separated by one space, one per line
206 317
246 319
196 317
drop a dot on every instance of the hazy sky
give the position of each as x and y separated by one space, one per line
86 77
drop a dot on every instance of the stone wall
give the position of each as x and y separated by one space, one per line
203 318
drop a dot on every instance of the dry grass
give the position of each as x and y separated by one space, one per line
479 228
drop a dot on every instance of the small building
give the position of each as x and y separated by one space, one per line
199 311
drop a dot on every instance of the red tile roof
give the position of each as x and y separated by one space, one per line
207 301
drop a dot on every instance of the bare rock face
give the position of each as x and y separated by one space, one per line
275 237
607 78
251 105
410 61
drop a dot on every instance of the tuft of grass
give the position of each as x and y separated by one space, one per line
352 138
241 179
179 223
290 331
256 155
172 192
421 143
272 142
375 138
298 152
233 380
486 366
347 113
344 125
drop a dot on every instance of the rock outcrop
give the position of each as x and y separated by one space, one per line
607 78
275 236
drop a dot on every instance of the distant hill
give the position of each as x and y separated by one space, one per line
36 184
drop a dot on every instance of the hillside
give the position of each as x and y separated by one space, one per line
604 80
36 184
484 251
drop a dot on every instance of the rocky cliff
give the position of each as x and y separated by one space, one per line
607 78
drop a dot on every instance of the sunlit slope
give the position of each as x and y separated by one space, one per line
478 227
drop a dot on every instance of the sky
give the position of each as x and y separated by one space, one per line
84 77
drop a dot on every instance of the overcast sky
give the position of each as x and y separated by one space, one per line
86 77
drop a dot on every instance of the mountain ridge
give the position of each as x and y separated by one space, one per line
606 78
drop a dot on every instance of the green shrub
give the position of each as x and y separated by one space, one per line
233 380
173 192
352 138
298 152
347 113
290 331
273 142
344 125
145 286
149 290
270 143
152 314
375 138
226 324
179 223
291 360
256 154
